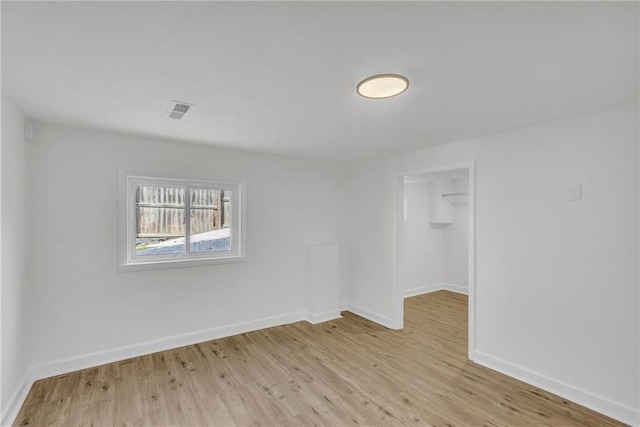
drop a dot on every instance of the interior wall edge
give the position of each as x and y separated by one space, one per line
15 288
577 395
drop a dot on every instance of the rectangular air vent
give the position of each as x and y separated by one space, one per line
178 109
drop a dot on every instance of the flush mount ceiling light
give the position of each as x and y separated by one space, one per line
382 86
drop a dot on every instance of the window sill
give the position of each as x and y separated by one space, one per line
180 263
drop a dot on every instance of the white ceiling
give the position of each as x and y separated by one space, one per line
281 77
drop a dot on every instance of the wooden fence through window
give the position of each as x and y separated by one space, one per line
160 211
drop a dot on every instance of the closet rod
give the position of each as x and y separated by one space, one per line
455 194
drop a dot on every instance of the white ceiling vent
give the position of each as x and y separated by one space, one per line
178 109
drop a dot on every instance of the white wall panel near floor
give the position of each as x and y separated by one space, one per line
556 280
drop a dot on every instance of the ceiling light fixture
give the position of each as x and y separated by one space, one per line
382 86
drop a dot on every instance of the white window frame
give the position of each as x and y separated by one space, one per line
128 261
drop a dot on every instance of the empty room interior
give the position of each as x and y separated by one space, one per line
320 213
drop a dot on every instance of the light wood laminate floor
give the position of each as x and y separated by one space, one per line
344 372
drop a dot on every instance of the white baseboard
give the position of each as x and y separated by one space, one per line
464 290
600 404
315 318
422 290
89 360
437 287
75 363
10 412
370 315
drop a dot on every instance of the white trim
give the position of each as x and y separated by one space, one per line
423 290
464 290
315 318
181 263
10 412
398 294
582 397
385 321
89 360
127 259
600 404
437 287
471 281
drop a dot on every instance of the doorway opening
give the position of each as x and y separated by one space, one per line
435 237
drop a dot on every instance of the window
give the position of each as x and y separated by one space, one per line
175 222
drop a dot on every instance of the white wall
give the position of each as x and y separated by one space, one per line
81 304
556 281
424 255
455 240
435 255
15 356
371 230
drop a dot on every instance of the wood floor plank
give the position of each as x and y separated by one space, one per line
346 372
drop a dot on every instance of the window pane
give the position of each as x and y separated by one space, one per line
159 220
210 220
